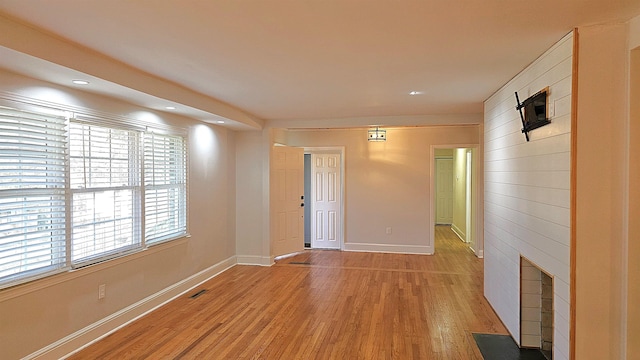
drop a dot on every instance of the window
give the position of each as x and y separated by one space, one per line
165 182
75 192
105 188
32 194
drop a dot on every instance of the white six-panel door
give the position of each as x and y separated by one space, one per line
287 188
444 191
326 199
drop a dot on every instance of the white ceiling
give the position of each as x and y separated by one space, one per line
313 59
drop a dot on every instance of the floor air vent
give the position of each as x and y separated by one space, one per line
198 294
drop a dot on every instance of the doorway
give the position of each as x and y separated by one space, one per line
323 188
454 184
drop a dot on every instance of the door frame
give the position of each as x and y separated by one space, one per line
468 193
477 227
331 150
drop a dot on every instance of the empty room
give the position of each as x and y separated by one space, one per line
344 179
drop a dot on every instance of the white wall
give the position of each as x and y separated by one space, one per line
633 245
527 191
444 153
602 133
459 223
249 198
634 33
39 313
477 200
387 183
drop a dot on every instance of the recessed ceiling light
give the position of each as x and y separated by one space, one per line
80 82
220 122
415 93
170 107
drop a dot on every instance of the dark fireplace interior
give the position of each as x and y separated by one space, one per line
536 308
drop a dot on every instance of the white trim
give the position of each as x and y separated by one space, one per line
285 256
254 260
458 232
468 200
624 304
365 122
479 254
388 248
101 328
267 140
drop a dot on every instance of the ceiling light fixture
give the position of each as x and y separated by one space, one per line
415 93
220 122
377 134
170 107
80 82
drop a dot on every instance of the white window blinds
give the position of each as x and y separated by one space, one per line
165 182
32 194
105 188
79 190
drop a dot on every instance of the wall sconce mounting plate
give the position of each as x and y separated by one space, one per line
377 134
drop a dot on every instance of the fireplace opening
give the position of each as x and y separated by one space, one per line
536 308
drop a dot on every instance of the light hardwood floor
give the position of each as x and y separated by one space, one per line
322 305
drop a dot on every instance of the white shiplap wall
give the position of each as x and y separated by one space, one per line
527 191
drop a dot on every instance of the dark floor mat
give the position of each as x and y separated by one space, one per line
502 347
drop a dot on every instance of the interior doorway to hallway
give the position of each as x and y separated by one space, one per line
454 200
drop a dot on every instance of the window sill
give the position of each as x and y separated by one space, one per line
48 281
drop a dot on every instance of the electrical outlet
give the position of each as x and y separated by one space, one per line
102 289
388 230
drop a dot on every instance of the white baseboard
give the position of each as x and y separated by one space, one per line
98 330
254 260
387 248
458 232
479 254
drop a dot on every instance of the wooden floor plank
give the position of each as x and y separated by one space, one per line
322 305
